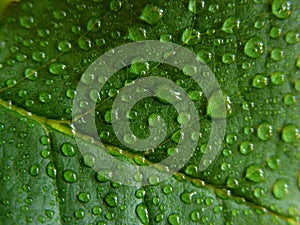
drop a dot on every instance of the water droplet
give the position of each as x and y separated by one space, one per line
10 82
51 170
292 37
258 192
260 81
259 24
206 56
70 176
281 8
228 58
280 188
79 214
290 99
93 25
68 149
45 97
277 54
64 46
34 170
232 183
111 199
255 173
278 77
31 74
152 14
195 6
57 68
136 33
89 160
186 197
195 216
254 47
26 21
139 68
264 131
115 5
174 219
275 32
142 213
183 118
246 147
59 14
97 210
273 163
190 36
84 197
231 25
85 43
290 133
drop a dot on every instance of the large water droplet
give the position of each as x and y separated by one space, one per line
254 47
280 188
142 213
68 149
246 147
281 8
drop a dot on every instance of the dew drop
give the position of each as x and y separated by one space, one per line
151 14
255 173
260 81
27 21
51 170
70 176
57 68
142 213
93 25
290 133
64 46
246 147
97 210
228 58
277 54
190 36
275 32
111 199
273 163
31 74
254 47
45 97
281 8
231 25
68 149
278 77
79 214
34 170
136 33
59 14
290 99
115 5
195 216
38 56
85 43
292 37
280 188
195 6
84 197
264 131
174 219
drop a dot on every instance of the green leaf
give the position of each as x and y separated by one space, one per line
252 47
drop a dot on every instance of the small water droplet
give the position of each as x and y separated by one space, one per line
45 97
190 36
273 163
111 199
85 43
79 214
278 77
136 33
93 25
68 149
228 58
231 25
51 170
255 173
196 6
84 197
59 14
174 219
260 81
290 133
264 131
151 14
70 176
277 54
292 37
34 170
64 46
280 188
254 47
195 216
